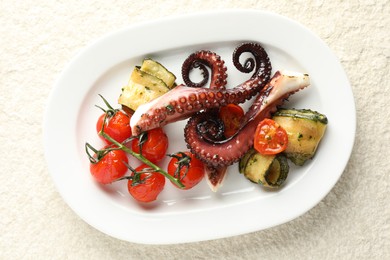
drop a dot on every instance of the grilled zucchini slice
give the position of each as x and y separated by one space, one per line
305 129
268 170
156 69
142 88
244 160
148 80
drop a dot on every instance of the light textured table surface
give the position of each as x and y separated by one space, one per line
38 38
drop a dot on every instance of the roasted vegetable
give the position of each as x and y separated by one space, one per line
156 69
267 170
148 80
146 83
244 160
142 88
305 129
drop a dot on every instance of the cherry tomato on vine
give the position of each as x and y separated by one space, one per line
116 126
231 116
147 186
155 145
270 137
108 165
187 168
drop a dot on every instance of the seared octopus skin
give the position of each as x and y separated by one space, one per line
259 63
226 152
183 101
202 60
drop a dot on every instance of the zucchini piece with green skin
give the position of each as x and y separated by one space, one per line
244 160
142 88
148 80
156 69
268 170
305 129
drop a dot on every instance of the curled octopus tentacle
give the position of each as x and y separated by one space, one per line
260 59
183 102
202 60
251 87
209 126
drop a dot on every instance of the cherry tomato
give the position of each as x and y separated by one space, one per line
110 166
147 187
155 146
191 171
231 116
116 126
270 137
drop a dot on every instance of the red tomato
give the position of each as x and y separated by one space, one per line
155 146
147 187
117 126
191 172
109 167
231 116
270 137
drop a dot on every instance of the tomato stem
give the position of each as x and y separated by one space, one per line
110 111
183 160
99 153
90 157
140 157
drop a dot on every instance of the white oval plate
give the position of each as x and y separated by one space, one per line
179 216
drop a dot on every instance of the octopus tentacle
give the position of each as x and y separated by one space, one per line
183 102
210 127
214 175
202 60
226 152
261 60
